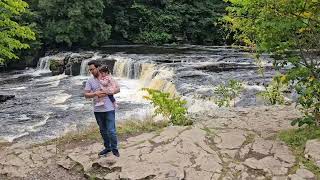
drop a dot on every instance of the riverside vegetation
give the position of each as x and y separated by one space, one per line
290 32
46 24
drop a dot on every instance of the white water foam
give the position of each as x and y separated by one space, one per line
137 114
34 128
130 91
11 138
199 105
59 99
18 88
23 117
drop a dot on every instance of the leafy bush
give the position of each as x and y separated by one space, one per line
274 91
172 108
225 93
154 38
290 32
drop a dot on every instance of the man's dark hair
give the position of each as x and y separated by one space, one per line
104 69
95 63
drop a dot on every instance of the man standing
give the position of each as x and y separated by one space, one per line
105 115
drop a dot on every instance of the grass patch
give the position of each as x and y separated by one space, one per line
296 139
249 139
131 128
91 134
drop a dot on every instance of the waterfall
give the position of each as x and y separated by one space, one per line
161 80
128 68
84 64
44 63
150 75
124 67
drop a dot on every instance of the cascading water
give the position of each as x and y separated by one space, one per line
45 107
44 63
124 67
148 74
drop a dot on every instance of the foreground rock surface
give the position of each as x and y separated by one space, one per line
236 144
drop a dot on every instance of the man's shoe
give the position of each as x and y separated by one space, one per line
116 152
104 152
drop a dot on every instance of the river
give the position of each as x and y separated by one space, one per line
47 106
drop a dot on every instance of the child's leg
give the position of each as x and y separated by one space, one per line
100 102
113 100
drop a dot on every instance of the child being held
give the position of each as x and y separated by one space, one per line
106 84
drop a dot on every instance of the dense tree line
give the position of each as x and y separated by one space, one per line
91 23
81 23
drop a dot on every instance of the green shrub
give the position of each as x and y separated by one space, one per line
290 33
225 93
274 92
172 108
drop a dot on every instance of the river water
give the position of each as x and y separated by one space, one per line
47 106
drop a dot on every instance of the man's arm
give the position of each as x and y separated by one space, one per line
89 94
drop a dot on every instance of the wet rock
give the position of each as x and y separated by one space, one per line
73 62
220 67
57 65
4 98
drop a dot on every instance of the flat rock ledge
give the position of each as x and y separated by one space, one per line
207 150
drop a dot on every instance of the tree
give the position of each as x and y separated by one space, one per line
13 33
73 22
166 21
290 31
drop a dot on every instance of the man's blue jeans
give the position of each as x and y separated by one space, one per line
107 126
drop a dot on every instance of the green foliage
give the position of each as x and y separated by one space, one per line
125 129
159 22
73 22
134 127
54 65
171 108
225 93
12 31
153 37
296 139
274 92
290 31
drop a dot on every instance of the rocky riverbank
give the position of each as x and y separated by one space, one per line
236 143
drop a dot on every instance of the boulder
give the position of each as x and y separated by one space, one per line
4 98
73 63
57 66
